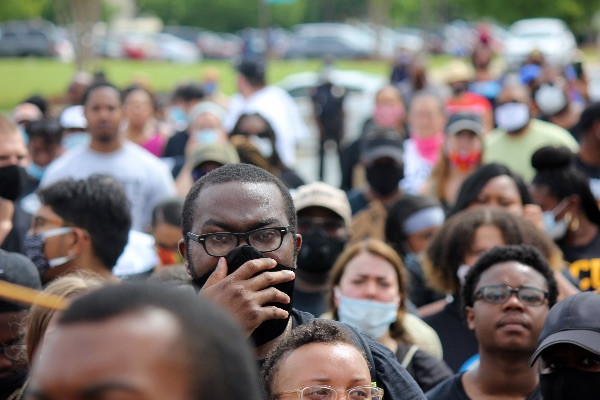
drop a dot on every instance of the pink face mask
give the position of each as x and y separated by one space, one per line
429 147
388 115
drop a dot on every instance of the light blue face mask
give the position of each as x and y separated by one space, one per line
554 229
368 316
206 136
75 139
263 144
35 171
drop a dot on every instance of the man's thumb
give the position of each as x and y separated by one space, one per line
218 274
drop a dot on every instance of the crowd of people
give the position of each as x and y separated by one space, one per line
168 248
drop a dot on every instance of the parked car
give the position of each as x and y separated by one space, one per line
360 90
549 35
33 38
330 39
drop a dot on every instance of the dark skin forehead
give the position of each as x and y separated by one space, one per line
238 207
103 91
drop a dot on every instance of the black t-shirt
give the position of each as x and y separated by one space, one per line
392 377
453 389
584 264
458 342
427 370
175 148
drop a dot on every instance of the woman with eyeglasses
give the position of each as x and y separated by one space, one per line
367 289
571 214
318 361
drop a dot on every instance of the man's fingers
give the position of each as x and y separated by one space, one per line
270 278
272 295
218 274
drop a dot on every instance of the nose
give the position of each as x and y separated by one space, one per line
514 302
370 290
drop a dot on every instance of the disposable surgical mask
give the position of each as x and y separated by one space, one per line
554 229
513 116
368 316
264 145
206 136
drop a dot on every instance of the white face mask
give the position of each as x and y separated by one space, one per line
264 145
461 273
370 317
512 117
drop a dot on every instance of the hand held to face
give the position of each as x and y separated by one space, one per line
257 291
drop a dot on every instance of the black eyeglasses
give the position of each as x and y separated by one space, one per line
499 294
218 244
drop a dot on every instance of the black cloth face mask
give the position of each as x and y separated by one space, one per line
570 384
13 179
384 178
270 329
317 255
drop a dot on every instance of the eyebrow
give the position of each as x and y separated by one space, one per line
230 228
92 391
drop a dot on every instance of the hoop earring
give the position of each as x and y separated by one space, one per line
574 224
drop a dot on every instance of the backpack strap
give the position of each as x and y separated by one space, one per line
409 355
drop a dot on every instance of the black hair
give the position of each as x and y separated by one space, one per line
97 204
524 254
587 118
98 85
473 185
234 173
447 250
211 345
188 92
275 160
316 331
400 211
168 211
556 170
39 101
135 88
48 129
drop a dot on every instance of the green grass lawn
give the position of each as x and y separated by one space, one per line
20 78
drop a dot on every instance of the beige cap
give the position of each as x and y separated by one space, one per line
319 194
222 153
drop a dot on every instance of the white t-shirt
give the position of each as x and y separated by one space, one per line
146 179
278 107
416 168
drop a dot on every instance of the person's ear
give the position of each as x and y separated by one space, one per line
80 242
297 242
183 252
336 298
470 317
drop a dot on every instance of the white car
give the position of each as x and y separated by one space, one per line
549 35
358 105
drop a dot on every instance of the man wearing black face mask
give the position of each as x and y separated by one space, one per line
569 348
14 222
382 157
237 210
323 221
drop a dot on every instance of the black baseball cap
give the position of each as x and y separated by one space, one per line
573 321
382 143
464 122
18 269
